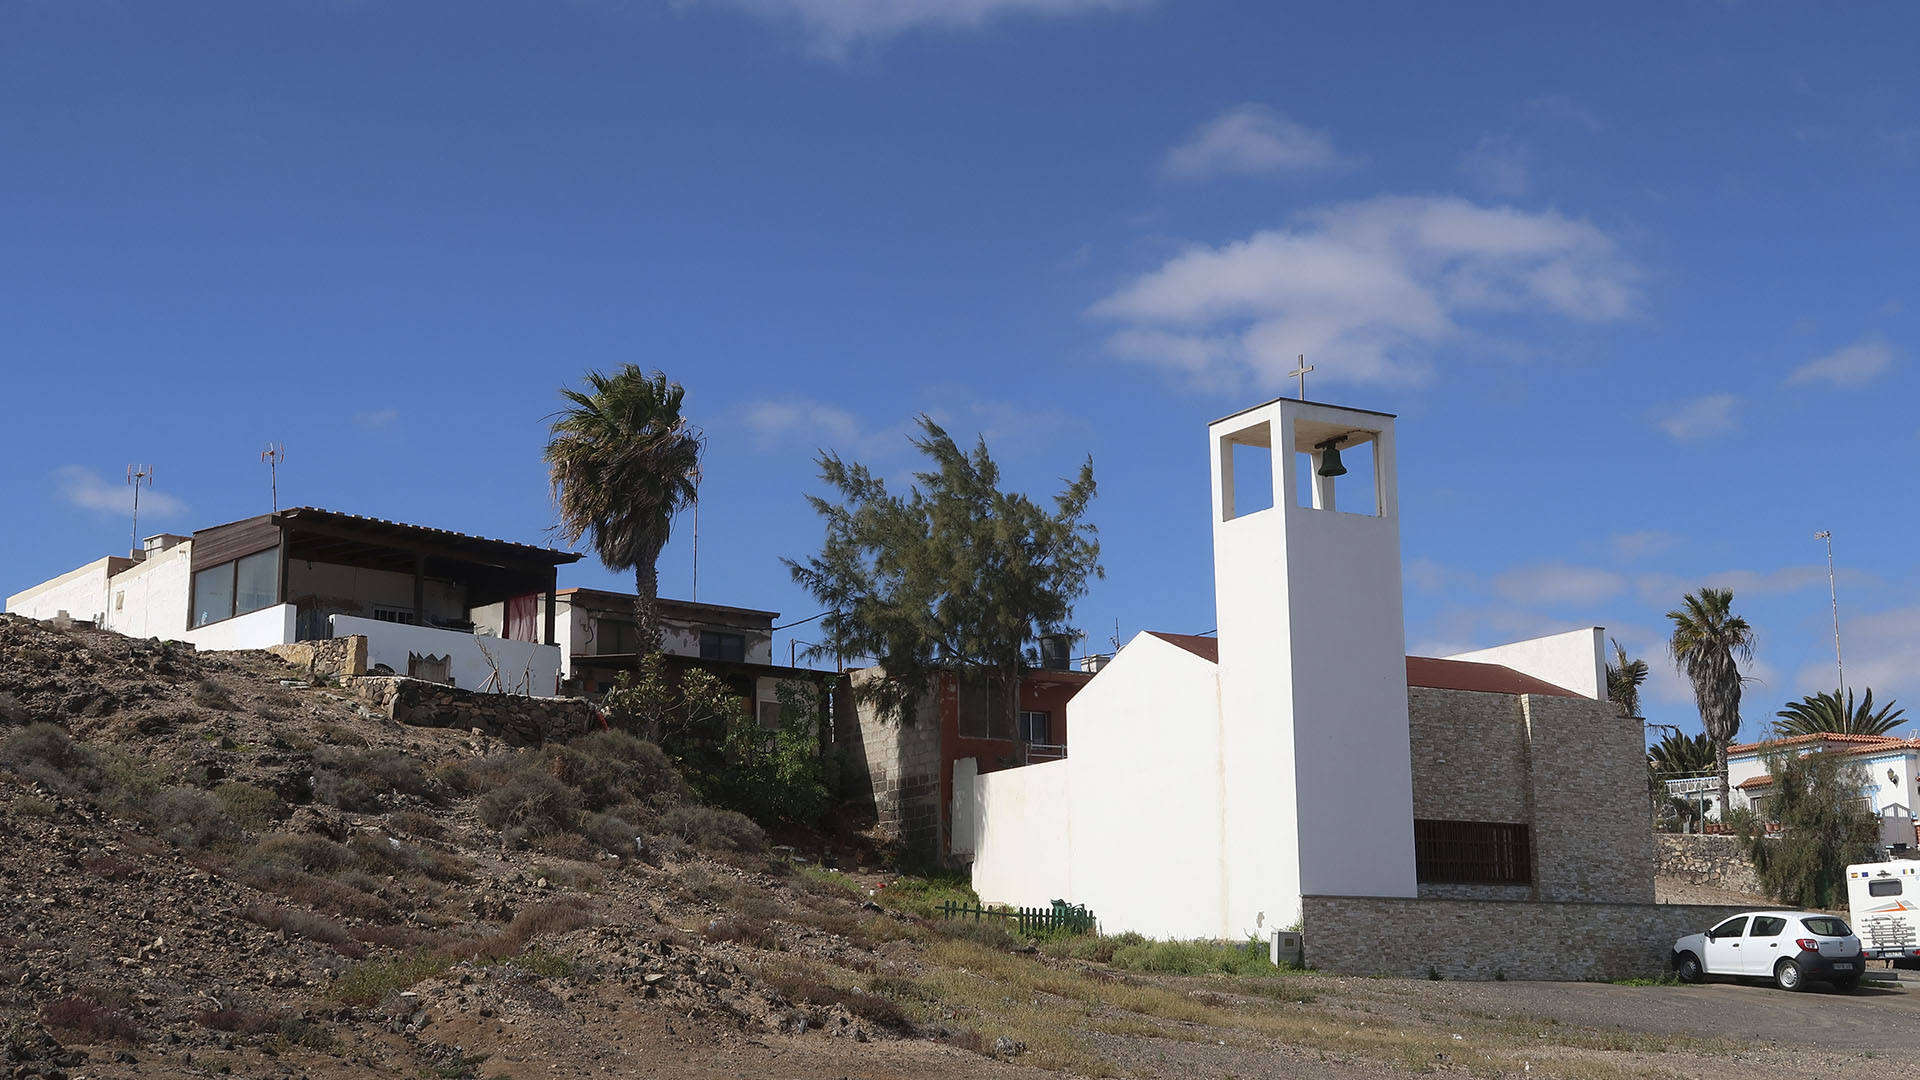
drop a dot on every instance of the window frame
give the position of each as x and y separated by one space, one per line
719 637
232 568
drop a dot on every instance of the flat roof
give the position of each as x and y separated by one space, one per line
1422 671
1297 401
701 605
375 530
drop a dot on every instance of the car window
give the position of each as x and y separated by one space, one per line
1730 928
1883 888
1767 926
1825 926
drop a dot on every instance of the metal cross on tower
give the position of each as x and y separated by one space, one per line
1301 373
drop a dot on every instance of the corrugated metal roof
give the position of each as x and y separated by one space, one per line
378 526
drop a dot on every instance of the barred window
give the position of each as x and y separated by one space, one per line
1472 853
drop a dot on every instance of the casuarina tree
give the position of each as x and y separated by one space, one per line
956 575
1708 644
623 461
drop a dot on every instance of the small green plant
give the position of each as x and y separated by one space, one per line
369 981
1433 973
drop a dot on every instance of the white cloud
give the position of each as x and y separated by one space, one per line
1637 545
1667 589
1883 652
1702 418
82 486
833 27
1497 165
1563 110
821 424
375 418
1248 139
1559 583
1430 577
1364 289
1854 366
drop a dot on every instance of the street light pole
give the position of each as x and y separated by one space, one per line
1834 596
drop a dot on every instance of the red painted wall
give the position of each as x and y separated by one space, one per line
1040 691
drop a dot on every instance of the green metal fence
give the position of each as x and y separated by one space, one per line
1062 917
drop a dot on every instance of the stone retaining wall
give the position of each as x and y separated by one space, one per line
1711 859
334 657
1489 939
516 720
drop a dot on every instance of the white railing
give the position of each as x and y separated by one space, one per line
1041 751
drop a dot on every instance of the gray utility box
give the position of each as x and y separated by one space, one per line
1289 949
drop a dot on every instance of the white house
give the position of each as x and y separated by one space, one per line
1302 767
1888 768
474 612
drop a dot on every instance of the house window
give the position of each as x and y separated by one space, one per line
1036 727
235 588
1472 853
395 615
615 637
983 708
715 645
769 714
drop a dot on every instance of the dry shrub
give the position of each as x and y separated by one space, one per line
192 818
743 930
44 753
298 851
84 1017
416 823
566 846
357 780
553 917
386 855
568 876
612 767
110 867
238 1021
612 831
713 830
319 893
212 695
304 924
535 802
802 986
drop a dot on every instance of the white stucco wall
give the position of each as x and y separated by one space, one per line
1313 691
391 643
1024 841
81 593
150 598
254 630
1575 660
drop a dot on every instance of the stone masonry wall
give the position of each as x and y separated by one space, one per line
333 657
516 720
1592 839
1487 939
1567 767
1713 859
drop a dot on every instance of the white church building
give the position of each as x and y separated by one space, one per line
1482 815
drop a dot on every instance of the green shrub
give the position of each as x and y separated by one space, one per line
606 832
356 780
613 767
1196 958
367 982
253 807
926 896
297 851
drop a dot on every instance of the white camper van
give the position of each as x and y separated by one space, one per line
1884 903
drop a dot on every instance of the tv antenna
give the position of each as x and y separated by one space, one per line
273 455
138 476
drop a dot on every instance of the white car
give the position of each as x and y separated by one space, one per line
1789 947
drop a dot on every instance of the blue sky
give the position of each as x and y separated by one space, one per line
1639 280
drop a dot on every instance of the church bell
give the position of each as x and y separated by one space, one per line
1330 458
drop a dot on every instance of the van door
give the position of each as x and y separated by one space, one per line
1723 947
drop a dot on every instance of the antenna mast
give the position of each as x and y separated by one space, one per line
138 476
273 455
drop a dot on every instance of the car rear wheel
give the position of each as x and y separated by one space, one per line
1786 975
1688 968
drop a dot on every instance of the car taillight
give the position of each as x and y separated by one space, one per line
1808 944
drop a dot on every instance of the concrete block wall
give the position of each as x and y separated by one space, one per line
902 763
1487 939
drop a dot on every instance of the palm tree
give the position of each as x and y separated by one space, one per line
1824 712
1707 645
1676 757
1624 678
623 461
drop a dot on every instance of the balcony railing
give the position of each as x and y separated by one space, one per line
1040 751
